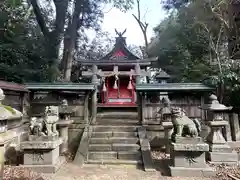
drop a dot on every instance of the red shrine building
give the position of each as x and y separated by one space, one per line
116 74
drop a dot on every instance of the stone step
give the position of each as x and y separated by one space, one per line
124 134
125 147
129 155
115 162
118 115
117 121
96 155
100 147
114 134
113 155
114 147
102 128
110 140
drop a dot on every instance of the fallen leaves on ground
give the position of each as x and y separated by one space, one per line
224 170
20 173
68 155
157 154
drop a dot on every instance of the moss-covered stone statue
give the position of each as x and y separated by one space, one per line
45 126
183 125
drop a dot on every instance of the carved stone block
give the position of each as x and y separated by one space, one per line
42 156
188 155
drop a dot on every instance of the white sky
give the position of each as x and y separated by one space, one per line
119 20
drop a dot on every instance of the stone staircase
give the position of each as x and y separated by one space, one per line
114 139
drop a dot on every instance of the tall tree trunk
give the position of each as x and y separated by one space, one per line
53 37
70 39
234 35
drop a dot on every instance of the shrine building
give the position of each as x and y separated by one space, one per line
117 73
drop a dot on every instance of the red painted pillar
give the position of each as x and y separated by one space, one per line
107 86
133 94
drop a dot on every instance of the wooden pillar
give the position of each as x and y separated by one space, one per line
141 102
143 99
86 111
22 102
139 106
31 98
138 71
94 106
107 86
94 76
94 93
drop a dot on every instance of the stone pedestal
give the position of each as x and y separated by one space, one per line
168 129
42 156
219 150
188 158
63 131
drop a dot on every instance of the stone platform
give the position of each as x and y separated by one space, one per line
188 158
42 156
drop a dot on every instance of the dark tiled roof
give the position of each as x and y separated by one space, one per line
173 87
12 86
162 74
61 86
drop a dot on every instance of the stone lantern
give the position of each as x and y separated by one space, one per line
65 121
219 150
166 115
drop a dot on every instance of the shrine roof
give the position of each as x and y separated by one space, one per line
60 86
12 86
142 62
173 87
120 50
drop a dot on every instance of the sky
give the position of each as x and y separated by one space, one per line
114 18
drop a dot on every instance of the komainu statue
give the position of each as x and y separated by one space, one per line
45 126
51 118
37 127
183 125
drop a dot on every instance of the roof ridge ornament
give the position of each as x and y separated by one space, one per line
120 34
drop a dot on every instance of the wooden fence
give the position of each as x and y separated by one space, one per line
189 104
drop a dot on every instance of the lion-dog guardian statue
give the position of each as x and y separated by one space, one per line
184 126
45 126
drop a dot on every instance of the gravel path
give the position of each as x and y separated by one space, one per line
102 172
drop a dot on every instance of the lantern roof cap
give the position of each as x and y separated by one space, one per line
214 104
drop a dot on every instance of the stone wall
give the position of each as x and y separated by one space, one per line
155 134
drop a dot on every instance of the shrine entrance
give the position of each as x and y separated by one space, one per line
119 91
116 74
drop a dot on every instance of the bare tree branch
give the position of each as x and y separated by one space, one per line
143 26
39 17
